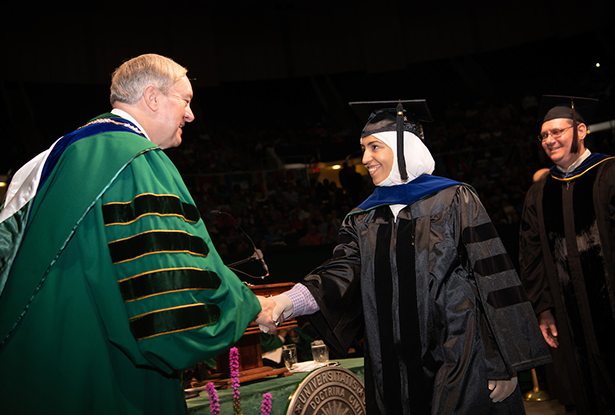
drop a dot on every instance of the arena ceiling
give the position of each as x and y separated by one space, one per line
240 40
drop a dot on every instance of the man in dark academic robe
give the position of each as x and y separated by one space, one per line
567 244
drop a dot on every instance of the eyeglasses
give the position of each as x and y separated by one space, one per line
555 133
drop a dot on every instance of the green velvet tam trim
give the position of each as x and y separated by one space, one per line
164 281
174 320
158 241
149 204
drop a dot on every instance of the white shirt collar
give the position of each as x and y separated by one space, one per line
577 163
130 118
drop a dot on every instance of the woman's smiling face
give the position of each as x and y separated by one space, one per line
378 158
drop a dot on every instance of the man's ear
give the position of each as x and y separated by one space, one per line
582 131
151 97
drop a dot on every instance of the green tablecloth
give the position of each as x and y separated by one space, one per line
252 393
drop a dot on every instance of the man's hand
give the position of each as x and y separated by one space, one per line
265 317
502 388
274 311
546 321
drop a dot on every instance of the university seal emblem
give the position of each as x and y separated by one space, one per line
328 391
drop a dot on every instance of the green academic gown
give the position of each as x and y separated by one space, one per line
115 286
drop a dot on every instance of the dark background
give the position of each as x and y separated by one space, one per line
273 62
281 68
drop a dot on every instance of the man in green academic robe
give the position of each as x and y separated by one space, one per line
109 282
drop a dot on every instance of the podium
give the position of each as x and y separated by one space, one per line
249 346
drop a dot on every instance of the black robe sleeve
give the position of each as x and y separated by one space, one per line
335 286
513 337
531 257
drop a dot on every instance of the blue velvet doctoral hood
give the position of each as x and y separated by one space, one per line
408 193
593 160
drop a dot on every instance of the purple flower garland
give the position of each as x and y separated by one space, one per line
234 366
266 404
214 402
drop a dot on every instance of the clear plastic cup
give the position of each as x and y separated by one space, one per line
289 355
320 352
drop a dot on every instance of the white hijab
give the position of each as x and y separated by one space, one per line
419 160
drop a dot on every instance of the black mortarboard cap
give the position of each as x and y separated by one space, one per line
561 106
577 109
396 116
381 116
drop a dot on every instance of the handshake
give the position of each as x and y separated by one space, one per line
274 311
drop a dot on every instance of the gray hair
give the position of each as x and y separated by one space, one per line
130 79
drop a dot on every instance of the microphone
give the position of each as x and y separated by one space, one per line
259 255
256 256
